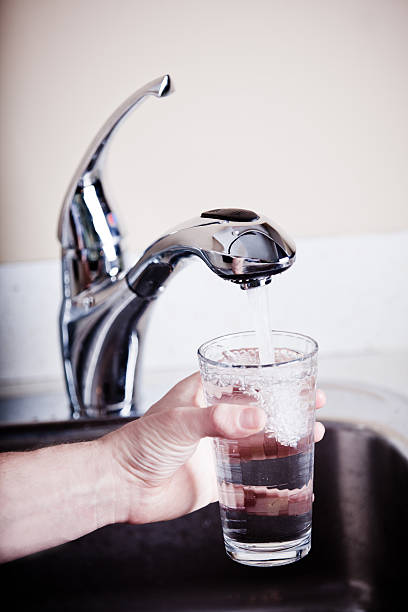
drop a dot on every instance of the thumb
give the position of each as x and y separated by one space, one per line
187 425
155 446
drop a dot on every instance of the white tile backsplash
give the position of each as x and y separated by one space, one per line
348 292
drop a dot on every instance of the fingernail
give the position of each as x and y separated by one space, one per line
249 418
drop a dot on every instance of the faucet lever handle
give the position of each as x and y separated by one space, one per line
90 169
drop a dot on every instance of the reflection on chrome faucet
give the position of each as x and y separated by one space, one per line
105 308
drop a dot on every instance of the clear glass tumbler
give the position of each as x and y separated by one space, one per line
265 481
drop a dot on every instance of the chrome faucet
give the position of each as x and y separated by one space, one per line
105 308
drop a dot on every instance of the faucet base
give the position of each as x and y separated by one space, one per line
122 409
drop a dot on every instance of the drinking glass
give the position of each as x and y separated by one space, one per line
265 481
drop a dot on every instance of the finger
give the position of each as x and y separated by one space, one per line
233 421
320 398
319 430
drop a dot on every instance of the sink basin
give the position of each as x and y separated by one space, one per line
357 560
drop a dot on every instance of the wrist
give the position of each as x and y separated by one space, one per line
111 490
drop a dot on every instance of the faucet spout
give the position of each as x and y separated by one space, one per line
238 245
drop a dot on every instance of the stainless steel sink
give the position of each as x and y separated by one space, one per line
357 562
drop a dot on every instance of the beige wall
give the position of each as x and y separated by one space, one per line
297 109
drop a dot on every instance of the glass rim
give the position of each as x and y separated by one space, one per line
222 364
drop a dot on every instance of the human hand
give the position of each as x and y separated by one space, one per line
162 464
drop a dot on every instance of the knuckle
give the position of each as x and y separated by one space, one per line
224 419
218 419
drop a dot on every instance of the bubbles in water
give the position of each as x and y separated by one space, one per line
270 374
286 409
244 356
